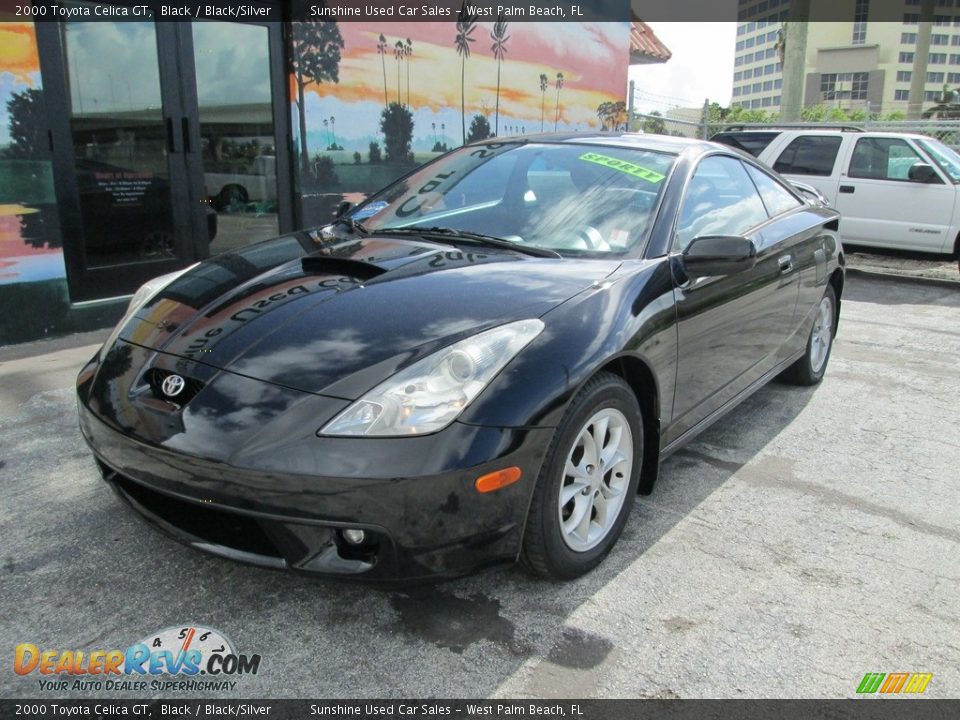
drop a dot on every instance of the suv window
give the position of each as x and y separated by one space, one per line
882 159
809 155
751 142
720 200
775 196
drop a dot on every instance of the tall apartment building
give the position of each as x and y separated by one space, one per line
856 64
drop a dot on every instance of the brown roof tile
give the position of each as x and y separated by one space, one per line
645 46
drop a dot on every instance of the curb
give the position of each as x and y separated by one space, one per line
912 279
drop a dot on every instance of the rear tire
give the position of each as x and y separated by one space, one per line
588 481
809 369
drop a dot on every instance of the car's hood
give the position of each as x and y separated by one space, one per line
337 320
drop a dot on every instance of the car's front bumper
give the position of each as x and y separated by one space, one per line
263 507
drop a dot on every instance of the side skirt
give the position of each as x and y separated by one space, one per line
731 404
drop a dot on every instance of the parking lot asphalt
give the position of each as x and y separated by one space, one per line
812 536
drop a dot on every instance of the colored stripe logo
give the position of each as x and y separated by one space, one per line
894 683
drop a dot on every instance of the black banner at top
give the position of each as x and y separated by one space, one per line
944 12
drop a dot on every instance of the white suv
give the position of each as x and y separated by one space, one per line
893 190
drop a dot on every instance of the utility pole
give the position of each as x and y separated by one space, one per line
918 76
630 106
794 61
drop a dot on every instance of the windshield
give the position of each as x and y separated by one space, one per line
573 199
947 159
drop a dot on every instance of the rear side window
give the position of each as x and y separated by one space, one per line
751 142
775 196
882 159
809 155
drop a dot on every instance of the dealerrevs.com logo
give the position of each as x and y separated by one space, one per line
188 658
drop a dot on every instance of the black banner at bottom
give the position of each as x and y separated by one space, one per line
873 708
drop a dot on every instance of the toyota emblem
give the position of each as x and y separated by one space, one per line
173 385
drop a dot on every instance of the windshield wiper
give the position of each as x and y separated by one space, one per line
471 237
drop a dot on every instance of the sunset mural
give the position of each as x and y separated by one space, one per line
508 78
28 252
593 59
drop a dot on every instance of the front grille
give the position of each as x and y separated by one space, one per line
155 378
226 529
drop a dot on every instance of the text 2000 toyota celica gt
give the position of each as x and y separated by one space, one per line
484 362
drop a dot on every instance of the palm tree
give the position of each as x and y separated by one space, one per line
556 119
326 132
544 84
398 53
465 27
781 45
333 129
408 53
382 50
499 48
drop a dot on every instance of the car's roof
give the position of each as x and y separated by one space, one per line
828 131
637 141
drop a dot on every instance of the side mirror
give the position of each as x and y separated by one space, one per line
711 255
922 173
342 209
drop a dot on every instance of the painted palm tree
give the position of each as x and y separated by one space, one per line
544 84
326 131
398 55
382 51
408 53
465 27
499 49
333 129
559 83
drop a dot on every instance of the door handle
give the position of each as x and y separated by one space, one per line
170 139
847 189
786 264
185 131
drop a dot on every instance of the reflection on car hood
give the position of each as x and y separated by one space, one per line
338 320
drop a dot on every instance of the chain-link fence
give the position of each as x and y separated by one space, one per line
947 131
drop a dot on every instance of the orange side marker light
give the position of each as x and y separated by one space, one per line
499 479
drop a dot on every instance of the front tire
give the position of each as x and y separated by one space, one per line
588 481
809 369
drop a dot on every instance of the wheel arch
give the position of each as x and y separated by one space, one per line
638 375
836 281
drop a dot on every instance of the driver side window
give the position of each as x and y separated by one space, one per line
720 199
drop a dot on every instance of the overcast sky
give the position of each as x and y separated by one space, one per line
701 67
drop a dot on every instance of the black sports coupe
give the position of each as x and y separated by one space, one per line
484 361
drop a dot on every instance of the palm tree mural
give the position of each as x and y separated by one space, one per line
465 27
556 119
314 59
544 84
382 51
398 54
408 53
499 49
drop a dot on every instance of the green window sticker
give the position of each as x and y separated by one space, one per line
651 176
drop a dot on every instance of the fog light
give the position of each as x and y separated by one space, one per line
354 536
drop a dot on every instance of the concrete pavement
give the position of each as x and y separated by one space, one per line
810 537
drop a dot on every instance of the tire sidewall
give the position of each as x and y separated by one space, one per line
817 375
563 561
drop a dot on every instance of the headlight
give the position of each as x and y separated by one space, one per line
140 298
431 393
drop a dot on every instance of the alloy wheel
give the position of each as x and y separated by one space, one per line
596 475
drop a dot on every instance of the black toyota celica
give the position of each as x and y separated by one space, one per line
484 362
